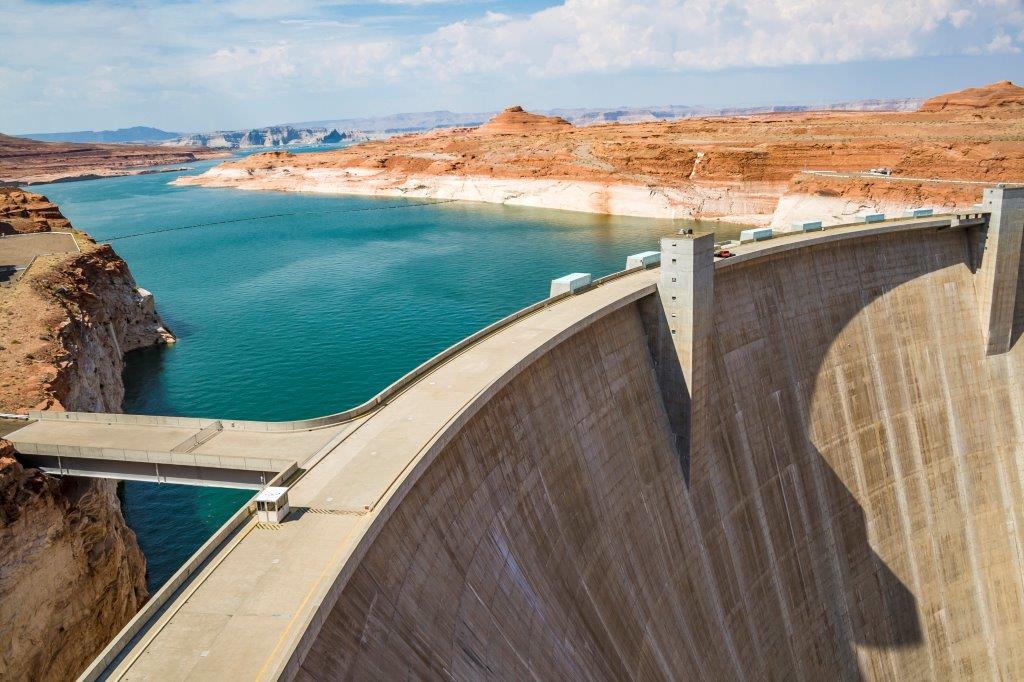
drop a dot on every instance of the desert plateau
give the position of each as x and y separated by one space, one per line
30 162
747 169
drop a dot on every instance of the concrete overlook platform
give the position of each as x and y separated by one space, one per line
809 467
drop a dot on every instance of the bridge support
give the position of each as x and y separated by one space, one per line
999 273
685 292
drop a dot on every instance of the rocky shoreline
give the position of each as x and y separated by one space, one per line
31 162
728 202
775 204
96 174
71 571
745 169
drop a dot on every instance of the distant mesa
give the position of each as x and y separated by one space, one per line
271 136
136 134
994 95
333 137
24 161
517 121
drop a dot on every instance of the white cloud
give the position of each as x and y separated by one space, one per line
319 23
600 36
1001 43
959 17
111 53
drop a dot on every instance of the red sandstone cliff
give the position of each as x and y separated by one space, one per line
71 572
26 161
737 167
1003 95
22 212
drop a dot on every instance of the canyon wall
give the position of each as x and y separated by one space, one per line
71 572
738 169
851 508
24 161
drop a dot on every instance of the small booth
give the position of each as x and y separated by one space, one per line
807 226
569 283
756 234
871 217
643 260
272 505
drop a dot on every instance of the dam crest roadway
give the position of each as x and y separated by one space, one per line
684 470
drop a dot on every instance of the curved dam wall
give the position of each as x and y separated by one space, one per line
852 504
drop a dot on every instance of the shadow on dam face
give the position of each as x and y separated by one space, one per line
880 597
852 509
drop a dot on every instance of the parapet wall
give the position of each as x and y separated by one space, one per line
853 505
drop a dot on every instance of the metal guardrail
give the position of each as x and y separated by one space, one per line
193 442
243 462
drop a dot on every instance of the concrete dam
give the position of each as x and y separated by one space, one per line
800 462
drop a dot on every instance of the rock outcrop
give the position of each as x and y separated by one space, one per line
24 161
738 168
71 572
517 121
22 211
989 98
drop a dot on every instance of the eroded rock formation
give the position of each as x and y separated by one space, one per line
731 168
1003 94
25 161
22 212
71 572
517 121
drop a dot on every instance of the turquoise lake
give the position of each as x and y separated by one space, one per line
301 315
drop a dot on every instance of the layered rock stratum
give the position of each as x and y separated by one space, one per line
24 161
989 99
23 212
743 168
71 572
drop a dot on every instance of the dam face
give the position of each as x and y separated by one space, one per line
850 506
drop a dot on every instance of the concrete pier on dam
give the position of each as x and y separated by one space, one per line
800 462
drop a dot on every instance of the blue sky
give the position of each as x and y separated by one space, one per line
191 65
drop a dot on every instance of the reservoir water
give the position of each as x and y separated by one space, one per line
314 310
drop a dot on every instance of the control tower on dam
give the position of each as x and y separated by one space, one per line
804 461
